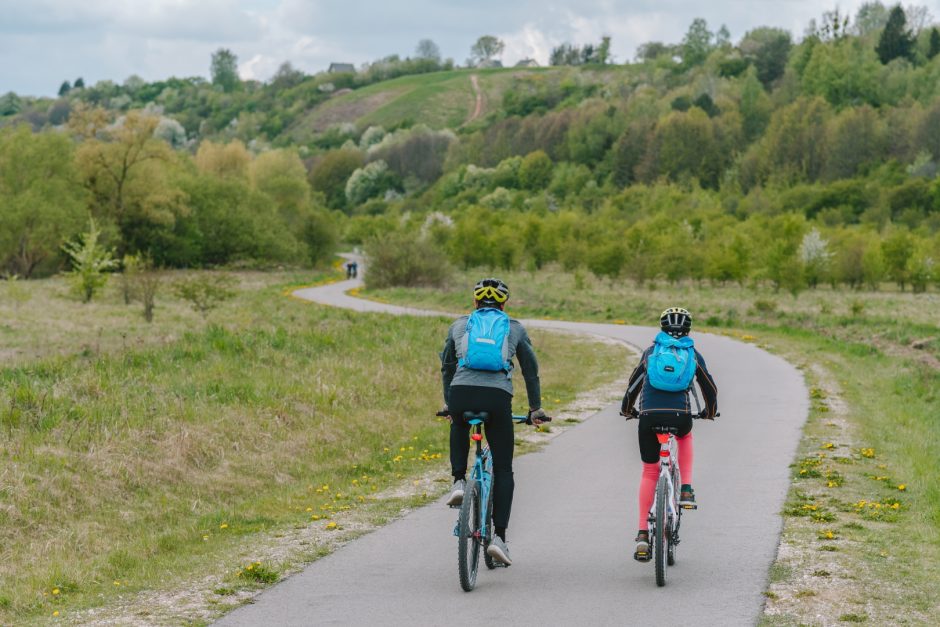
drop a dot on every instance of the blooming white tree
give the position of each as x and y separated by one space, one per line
815 256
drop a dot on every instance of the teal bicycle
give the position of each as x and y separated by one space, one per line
474 528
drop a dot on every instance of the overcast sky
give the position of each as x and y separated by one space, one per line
43 42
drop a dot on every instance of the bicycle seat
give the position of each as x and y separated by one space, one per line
665 429
476 417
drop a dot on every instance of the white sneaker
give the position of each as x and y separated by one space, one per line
499 551
456 496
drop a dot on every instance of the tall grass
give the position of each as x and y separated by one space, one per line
142 466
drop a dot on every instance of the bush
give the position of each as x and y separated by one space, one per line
405 260
205 292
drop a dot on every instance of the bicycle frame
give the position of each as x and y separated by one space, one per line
668 470
483 473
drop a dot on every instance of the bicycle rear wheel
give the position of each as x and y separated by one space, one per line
661 532
468 542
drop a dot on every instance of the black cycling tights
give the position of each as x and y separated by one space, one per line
499 435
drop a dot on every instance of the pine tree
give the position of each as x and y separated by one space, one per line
934 48
895 40
66 87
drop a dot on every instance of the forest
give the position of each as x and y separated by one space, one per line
797 160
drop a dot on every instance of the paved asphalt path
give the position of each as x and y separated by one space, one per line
574 518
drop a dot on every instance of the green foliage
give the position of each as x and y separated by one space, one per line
487 47
90 260
895 41
224 69
205 292
401 259
844 72
535 171
371 181
769 49
330 174
40 201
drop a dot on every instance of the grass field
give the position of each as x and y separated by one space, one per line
848 553
139 459
439 100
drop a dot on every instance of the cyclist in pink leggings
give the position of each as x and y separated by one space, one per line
661 404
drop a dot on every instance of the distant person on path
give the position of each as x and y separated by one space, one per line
352 269
476 369
355 269
663 382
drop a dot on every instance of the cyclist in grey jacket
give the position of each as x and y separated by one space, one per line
466 389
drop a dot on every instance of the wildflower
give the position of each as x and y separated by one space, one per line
205 537
867 452
315 517
117 583
902 487
831 484
55 613
223 526
309 509
895 506
828 445
250 567
55 591
331 525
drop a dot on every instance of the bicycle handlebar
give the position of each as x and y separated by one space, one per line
515 417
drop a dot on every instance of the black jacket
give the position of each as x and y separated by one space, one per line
653 401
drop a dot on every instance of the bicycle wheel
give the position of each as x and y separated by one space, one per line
661 532
468 543
489 561
671 553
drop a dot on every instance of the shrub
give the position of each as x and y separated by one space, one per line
205 292
403 259
90 261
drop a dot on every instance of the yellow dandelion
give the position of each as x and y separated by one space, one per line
895 506
205 537
116 582
250 567
223 526
331 525
309 509
902 487
55 613
55 591
828 445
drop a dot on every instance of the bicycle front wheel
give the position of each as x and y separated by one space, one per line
661 532
468 542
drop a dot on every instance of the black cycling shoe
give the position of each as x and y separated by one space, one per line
642 552
687 498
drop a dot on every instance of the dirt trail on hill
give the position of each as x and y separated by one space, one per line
478 106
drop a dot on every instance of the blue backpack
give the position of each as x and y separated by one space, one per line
671 364
485 343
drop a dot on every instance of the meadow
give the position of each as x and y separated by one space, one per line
142 458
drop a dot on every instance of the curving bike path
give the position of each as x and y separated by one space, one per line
573 519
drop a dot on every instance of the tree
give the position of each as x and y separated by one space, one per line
897 249
768 49
697 43
755 106
329 175
815 256
603 50
429 50
205 292
651 51
229 160
90 261
65 88
487 47
40 201
934 47
535 172
895 41
10 104
79 83
224 69
287 76
871 17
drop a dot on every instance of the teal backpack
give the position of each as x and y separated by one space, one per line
671 364
485 343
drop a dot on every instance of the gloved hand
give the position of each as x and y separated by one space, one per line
537 416
446 413
630 413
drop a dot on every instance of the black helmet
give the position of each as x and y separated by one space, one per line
676 321
490 293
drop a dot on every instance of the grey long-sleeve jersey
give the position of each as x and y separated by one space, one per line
520 347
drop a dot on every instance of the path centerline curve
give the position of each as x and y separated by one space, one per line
574 518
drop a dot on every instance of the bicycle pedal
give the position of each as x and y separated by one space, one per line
687 506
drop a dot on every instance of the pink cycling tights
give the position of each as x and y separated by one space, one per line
651 475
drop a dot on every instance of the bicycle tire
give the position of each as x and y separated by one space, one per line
661 540
671 553
468 546
490 530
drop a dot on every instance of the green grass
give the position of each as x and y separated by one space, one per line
143 468
873 426
439 99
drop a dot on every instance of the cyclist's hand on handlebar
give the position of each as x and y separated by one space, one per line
705 416
630 414
537 417
445 413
